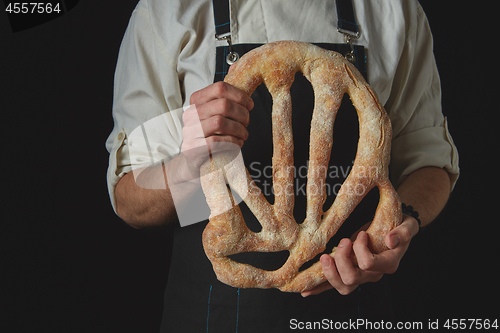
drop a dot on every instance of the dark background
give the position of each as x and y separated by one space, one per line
68 264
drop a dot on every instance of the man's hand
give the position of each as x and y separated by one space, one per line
220 115
342 275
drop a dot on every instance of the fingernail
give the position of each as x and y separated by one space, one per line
326 262
394 241
344 242
250 105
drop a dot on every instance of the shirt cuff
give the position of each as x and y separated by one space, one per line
119 164
431 146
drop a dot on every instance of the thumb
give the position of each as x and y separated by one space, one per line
392 241
403 233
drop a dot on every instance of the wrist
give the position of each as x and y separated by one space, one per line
408 210
181 170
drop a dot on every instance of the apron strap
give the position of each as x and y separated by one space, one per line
346 19
345 13
346 25
222 18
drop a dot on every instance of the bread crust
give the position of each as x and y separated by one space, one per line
275 65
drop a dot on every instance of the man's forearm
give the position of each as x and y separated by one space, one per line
141 207
427 190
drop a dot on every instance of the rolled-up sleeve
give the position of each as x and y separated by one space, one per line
420 131
431 146
141 92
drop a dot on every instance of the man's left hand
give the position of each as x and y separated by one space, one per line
342 275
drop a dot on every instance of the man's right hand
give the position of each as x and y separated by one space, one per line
222 110
220 115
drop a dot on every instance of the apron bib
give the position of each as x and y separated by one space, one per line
195 301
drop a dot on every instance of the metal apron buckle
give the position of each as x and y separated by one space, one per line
348 36
232 57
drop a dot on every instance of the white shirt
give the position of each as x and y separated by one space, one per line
168 52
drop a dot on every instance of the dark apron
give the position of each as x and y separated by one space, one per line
195 301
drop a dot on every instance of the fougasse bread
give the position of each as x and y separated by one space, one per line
331 76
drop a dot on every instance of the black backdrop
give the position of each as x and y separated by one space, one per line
68 264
